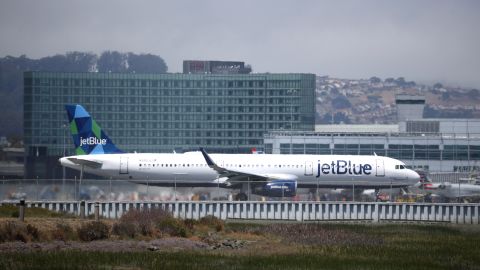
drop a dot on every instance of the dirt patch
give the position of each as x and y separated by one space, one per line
165 244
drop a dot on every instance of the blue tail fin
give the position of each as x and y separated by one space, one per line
88 137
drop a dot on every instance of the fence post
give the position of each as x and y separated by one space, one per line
376 215
21 211
82 209
97 211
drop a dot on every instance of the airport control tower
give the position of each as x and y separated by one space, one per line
409 107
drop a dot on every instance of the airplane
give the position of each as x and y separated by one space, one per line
270 175
452 192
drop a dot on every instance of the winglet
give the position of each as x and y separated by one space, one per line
208 159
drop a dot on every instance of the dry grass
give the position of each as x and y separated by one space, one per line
269 246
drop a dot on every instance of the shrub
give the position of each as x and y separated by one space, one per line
15 213
63 232
95 230
33 232
127 229
173 227
190 223
146 222
8 210
212 221
17 231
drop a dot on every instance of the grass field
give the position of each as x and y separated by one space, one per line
267 245
291 246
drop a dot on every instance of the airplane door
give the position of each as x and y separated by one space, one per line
123 165
380 167
308 168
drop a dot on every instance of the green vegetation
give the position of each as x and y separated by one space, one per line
401 247
18 231
154 222
11 210
95 230
264 245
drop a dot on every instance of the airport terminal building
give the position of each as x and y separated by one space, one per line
436 152
226 112
435 145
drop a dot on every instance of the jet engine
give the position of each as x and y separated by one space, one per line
445 185
277 188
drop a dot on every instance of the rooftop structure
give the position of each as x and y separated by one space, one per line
409 107
215 67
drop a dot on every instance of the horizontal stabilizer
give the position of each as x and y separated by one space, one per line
88 163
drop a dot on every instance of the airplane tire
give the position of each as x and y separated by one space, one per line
241 197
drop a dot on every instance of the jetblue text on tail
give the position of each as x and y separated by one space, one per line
92 141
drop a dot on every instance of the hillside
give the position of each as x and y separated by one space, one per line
368 101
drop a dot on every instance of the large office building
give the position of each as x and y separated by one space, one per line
226 113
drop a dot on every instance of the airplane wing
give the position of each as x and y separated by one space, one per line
237 176
88 163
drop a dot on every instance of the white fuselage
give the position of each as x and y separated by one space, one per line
452 190
191 169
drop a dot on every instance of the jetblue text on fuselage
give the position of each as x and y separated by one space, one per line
343 167
92 141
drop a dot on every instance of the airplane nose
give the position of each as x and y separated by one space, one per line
414 176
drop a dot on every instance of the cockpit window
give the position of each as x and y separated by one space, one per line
399 167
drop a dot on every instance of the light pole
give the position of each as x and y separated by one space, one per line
353 190
391 186
148 186
175 176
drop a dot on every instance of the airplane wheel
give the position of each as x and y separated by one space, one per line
241 197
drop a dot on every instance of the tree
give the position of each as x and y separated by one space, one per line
341 102
473 94
146 63
437 86
389 80
410 84
375 80
400 81
112 61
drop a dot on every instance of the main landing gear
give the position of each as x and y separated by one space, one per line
241 197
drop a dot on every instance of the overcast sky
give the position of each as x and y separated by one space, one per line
426 41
